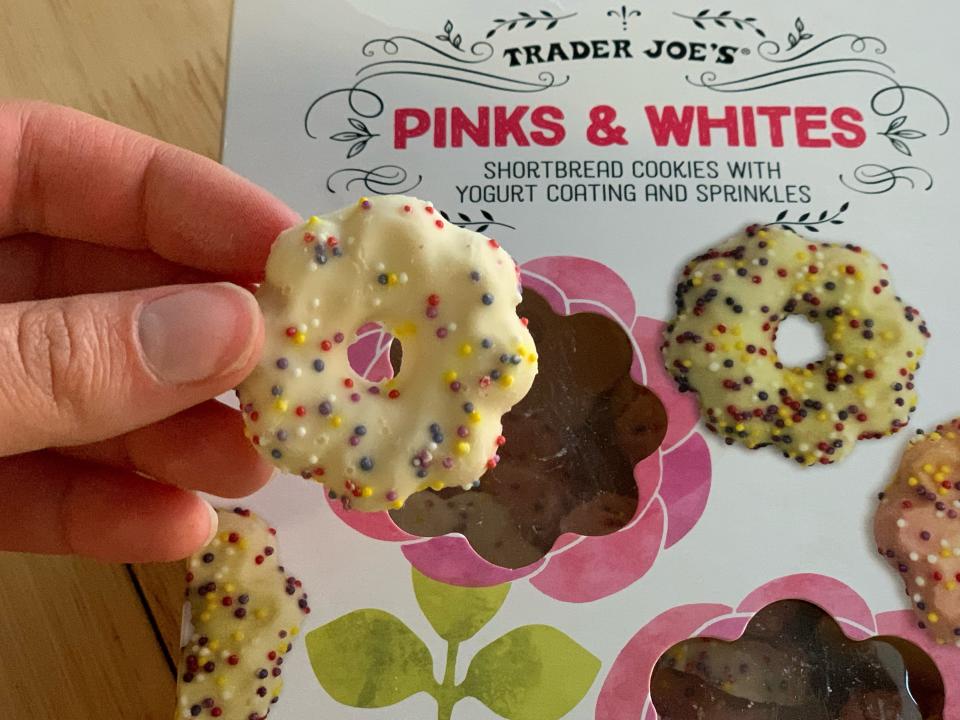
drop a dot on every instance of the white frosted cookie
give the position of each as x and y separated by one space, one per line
245 611
449 295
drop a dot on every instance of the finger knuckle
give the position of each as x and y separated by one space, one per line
67 358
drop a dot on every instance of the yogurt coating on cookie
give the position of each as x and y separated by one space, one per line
447 294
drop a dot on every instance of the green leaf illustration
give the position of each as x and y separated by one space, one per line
457 613
370 659
534 672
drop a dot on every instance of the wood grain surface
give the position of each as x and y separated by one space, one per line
81 640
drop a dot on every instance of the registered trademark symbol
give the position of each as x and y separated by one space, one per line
745 51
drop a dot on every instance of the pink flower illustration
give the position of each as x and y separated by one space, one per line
626 691
673 483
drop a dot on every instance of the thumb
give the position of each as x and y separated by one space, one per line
79 369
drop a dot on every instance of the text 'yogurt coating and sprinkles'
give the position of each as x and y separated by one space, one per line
721 344
917 528
449 295
245 610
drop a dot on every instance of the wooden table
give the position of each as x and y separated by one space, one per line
81 640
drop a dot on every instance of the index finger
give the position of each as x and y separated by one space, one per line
69 174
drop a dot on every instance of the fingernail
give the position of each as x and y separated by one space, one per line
198 333
214 522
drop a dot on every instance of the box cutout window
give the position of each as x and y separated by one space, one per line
793 662
572 444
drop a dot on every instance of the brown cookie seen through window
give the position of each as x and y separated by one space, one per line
572 445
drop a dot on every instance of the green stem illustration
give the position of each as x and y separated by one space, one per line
448 694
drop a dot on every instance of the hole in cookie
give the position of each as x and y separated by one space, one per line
375 355
799 342
572 445
794 661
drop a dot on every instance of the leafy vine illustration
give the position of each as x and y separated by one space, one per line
455 41
721 19
360 136
806 222
480 225
372 659
898 135
624 15
527 20
795 39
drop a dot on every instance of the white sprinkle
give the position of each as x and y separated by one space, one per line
315 302
403 278
230 551
918 598
713 367
332 398
301 431
302 327
376 302
920 581
380 267
452 327
431 446
901 523
297 372
315 322
932 559
914 556
313 267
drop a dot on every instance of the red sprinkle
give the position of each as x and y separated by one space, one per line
429 210
393 394
326 345
433 299
233 660
300 411
347 382
493 243
290 331
438 223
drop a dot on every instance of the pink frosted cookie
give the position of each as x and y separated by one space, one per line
245 610
917 528
449 295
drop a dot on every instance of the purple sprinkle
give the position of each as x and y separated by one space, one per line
283 363
391 495
325 408
355 397
448 463
282 435
354 440
432 311
463 431
455 386
373 390
441 333
924 535
338 337
952 514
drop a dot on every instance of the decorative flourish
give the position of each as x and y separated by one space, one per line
623 14
479 51
359 137
372 659
365 103
875 179
527 20
807 223
721 19
480 225
381 180
770 50
456 41
898 135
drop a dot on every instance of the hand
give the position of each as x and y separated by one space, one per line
117 327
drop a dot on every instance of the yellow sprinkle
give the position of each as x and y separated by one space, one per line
463 448
944 468
466 349
802 256
928 468
314 220
854 312
221 681
214 645
295 630
912 481
437 485
951 585
933 617
687 363
363 200
836 335
229 587
506 380
736 330
367 491
474 417
392 279
887 335
871 354
336 421
941 491
397 504
739 345
449 376
280 405
405 329
951 435
300 338
739 427
939 477
821 416
238 636
242 544
721 264
696 282
946 553
532 357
